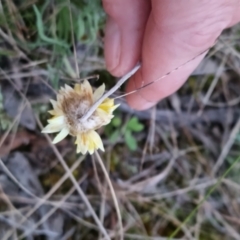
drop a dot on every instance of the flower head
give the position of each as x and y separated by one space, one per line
71 105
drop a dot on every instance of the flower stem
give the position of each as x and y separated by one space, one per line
110 92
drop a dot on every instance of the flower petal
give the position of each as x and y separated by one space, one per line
108 101
54 103
68 88
114 107
91 147
86 87
77 88
96 140
81 144
82 149
59 98
52 112
104 116
107 104
98 92
56 113
89 142
52 128
64 132
58 120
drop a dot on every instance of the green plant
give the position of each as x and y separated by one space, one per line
114 131
5 121
84 18
48 29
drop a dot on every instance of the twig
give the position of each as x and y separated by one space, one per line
110 92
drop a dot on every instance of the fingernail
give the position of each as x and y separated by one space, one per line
112 45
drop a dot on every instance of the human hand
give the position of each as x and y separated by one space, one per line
163 34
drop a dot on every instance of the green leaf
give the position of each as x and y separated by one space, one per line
135 125
130 140
114 136
237 139
40 28
116 122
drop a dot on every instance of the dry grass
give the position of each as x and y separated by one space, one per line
181 182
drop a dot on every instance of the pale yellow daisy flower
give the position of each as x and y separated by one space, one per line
71 105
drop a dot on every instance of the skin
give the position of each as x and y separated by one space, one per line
162 34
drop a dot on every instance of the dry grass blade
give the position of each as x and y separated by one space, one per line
178 192
232 232
77 187
104 194
226 147
214 82
166 161
12 124
52 211
42 200
15 180
13 210
72 36
121 232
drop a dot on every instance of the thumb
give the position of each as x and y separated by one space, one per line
124 33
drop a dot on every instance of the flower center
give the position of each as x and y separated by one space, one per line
74 107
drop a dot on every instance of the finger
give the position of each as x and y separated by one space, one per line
176 33
124 33
236 15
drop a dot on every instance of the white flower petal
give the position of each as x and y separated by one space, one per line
81 145
77 88
96 139
89 142
56 112
59 98
84 149
52 112
68 88
91 150
64 132
98 92
87 87
52 128
114 107
104 116
54 103
59 120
